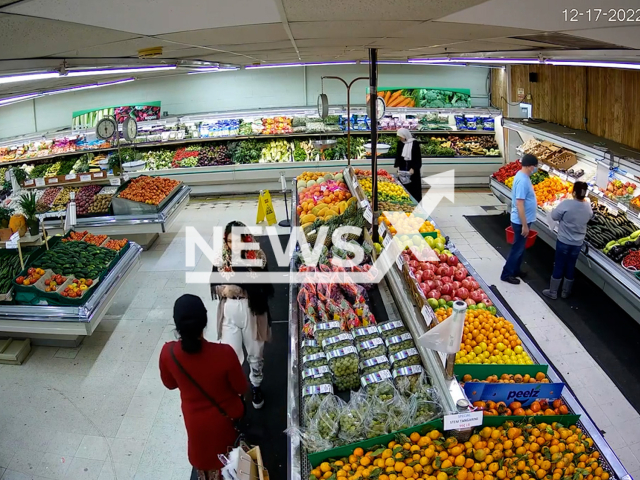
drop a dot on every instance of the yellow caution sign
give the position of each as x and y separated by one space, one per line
265 208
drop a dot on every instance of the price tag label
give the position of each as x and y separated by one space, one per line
368 215
52 180
386 241
355 182
571 179
464 420
365 203
11 245
622 207
85 178
399 262
71 176
39 182
427 315
125 177
114 181
99 175
28 183
563 176
443 358
382 228
545 167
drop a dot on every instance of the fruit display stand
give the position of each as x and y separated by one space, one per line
231 177
620 284
66 325
399 299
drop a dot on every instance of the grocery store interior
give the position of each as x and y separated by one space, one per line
393 140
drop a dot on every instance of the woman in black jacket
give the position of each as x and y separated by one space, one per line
408 163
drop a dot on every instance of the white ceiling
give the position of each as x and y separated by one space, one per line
42 33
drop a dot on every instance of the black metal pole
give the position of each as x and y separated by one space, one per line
373 104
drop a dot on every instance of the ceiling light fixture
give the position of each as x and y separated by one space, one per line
29 96
584 63
310 64
116 71
212 70
495 61
28 77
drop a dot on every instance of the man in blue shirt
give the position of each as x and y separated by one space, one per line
523 214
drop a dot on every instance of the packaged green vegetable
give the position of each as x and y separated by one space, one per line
326 330
352 418
391 329
361 334
374 365
309 347
316 360
398 343
371 348
337 341
316 376
344 366
379 385
409 379
312 396
376 418
405 358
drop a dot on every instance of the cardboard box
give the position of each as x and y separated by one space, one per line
250 466
524 393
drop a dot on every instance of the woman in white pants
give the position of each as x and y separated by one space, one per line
243 310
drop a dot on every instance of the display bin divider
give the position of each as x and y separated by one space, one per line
486 370
339 452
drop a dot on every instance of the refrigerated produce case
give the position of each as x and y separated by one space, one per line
400 300
614 161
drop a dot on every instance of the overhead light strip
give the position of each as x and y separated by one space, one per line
287 65
117 71
585 63
28 77
29 96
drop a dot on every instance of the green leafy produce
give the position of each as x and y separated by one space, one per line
246 151
39 171
158 159
5 216
82 164
80 259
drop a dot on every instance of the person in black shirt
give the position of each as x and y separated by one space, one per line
409 163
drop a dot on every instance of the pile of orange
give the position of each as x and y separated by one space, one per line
533 452
550 189
306 176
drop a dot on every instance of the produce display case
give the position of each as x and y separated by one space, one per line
602 161
400 301
213 174
65 325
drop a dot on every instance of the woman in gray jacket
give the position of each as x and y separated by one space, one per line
572 216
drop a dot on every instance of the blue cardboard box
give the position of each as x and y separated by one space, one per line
524 393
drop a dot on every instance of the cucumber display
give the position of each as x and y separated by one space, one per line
79 259
9 268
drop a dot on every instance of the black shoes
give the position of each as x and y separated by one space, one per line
257 399
521 274
511 280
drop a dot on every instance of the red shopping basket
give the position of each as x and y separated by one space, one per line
531 238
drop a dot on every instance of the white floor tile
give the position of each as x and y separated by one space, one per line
93 448
54 466
84 469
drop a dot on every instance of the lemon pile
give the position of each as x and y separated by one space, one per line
387 191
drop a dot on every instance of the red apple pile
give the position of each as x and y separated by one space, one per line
447 279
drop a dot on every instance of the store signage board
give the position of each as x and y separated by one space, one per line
368 215
85 178
39 182
428 317
28 183
114 181
563 176
138 111
464 420
386 241
70 177
512 392
423 97
52 180
12 243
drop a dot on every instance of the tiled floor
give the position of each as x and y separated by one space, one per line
101 412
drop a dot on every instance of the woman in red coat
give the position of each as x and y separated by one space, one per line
217 371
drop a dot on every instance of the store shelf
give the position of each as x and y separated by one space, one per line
615 281
131 224
65 324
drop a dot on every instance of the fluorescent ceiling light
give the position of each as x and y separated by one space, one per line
494 61
310 64
212 70
20 98
584 63
115 71
28 76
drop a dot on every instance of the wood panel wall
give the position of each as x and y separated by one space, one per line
608 99
499 94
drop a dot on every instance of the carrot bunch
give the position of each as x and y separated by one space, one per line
396 99
149 190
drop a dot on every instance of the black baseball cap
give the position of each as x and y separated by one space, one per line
529 160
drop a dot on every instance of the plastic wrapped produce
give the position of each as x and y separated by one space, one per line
316 376
312 396
344 366
391 329
338 341
309 347
371 348
326 330
352 418
423 410
398 343
405 358
409 379
316 360
399 414
376 418
365 333
379 385
326 420
374 365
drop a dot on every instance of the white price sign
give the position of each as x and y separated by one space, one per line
11 245
571 179
114 181
28 183
443 358
368 215
600 194
399 262
85 178
427 315
39 182
364 203
545 168
460 421
53 180
563 176
71 176
386 241
125 177
382 228
622 207
99 175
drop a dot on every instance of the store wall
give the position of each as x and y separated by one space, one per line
243 89
602 101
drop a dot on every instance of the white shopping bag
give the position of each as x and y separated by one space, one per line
447 336
553 225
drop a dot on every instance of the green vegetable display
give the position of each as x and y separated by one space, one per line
371 348
344 366
9 269
80 259
326 330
